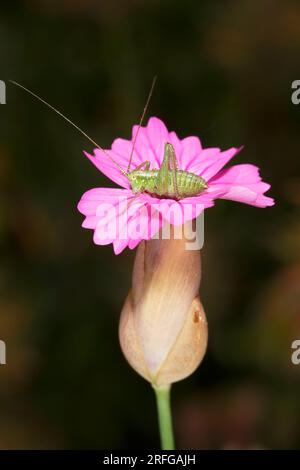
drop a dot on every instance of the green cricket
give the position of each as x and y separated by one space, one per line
168 181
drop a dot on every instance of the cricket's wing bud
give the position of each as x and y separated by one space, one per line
163 331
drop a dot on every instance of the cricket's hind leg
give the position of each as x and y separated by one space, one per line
169 166
173 163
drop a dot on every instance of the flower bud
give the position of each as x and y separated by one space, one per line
163 328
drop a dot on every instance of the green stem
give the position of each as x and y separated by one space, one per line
164 416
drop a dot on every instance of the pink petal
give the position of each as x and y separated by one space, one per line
158 136
141 224
206 158
108 168
242 183
144 149
212 160
244 173
119 245
190 150
115 229
176 142
177 212
118 216
148 225
98 199
247 196
263 201
204 200
91 199
123 148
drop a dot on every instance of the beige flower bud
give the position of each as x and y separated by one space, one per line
163 328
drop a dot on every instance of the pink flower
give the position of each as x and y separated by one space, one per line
109 210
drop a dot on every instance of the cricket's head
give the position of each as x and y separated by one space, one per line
135 180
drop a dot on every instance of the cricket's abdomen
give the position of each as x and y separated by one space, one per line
187 184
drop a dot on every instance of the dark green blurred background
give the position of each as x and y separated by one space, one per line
224 73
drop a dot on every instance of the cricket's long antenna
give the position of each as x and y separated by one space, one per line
69 121
140 123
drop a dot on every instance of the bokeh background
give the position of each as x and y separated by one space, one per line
224 73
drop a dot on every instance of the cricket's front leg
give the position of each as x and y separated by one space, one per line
143 166
133 199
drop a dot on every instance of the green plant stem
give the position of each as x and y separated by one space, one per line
164 416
